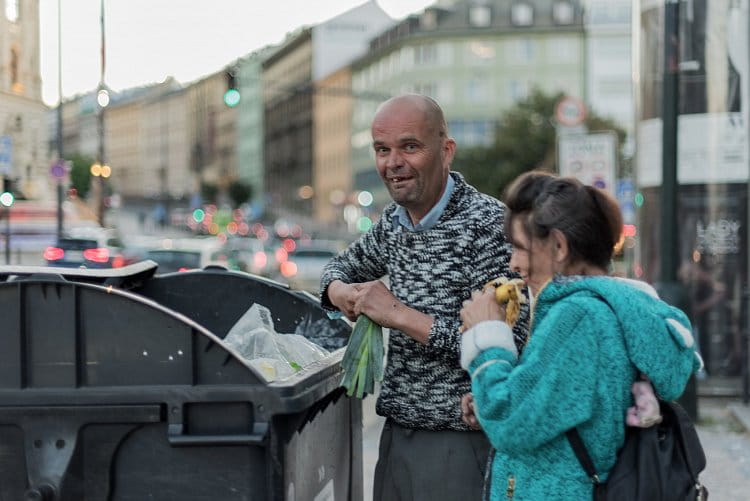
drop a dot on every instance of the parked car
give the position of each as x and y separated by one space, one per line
86 247
304 266
184 254
246 254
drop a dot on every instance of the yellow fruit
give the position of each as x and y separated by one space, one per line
503 293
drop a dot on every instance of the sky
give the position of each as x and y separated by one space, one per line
149 40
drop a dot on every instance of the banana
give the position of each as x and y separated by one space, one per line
509 291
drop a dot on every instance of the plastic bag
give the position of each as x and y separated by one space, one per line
273 355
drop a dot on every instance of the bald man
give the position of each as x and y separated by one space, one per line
438 240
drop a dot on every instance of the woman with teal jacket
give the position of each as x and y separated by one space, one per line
591 335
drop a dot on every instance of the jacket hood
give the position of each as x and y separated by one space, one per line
658 337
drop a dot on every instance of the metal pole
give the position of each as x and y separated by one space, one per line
669 288
7 235
60 152
745 370
670 99
100 179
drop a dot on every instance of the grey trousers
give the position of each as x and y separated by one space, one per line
420 465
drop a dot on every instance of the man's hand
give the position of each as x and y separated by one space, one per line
376 301
468 415
343 296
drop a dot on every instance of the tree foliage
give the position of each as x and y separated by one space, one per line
525 139
80 173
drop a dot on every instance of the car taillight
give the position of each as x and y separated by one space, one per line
260 260
53 253
281 255
118 261
183 269
288 269
98 255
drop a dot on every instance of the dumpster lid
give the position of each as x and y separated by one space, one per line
126 277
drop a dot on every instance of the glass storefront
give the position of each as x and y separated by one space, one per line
712 168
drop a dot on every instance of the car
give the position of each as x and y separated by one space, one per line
86 247
304 266
245 254
183 254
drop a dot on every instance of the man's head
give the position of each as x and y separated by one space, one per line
413 152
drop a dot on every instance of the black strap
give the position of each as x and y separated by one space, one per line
582 454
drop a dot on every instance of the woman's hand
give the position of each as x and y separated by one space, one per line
481 307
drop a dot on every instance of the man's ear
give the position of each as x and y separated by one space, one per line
561 251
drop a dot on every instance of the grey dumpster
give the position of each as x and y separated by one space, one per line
116 385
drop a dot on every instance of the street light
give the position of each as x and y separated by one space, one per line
6 200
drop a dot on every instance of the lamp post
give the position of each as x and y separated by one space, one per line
102 99
60 155
6 200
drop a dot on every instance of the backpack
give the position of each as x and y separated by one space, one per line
659 463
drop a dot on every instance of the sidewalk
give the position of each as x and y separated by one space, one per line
741 413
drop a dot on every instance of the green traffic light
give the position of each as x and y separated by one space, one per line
638 199
199 215
232 97
7 199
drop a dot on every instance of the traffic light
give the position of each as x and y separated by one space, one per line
232 94
6 196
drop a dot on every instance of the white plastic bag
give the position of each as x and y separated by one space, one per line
274 355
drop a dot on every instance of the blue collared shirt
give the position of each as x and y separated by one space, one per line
401 216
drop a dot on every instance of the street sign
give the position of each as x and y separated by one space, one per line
590 158
6 154
570 111
58 170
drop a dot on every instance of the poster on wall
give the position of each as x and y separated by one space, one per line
714 104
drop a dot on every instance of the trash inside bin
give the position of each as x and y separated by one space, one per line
108 394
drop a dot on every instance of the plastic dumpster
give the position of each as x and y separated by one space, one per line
114 394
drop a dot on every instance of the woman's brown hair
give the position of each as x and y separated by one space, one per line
589 217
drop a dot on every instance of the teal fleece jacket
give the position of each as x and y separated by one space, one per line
590 337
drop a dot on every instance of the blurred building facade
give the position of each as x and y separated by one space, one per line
609 83
23 123
290 81
332 180
476 59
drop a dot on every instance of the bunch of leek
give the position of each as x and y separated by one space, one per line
363 358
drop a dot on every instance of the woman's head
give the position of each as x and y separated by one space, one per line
559 225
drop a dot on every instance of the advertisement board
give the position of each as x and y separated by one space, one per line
590 158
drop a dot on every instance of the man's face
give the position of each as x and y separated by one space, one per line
411 157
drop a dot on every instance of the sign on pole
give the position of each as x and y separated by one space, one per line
6 154
590 158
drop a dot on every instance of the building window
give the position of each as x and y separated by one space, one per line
11 10
518 90
479 50
428 21
477 91
521 50
480 15
15 83
472 132
425 54
522 14
562 12
563 50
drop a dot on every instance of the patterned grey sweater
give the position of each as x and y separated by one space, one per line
433 271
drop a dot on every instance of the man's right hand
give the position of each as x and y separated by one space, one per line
468 412
343 297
